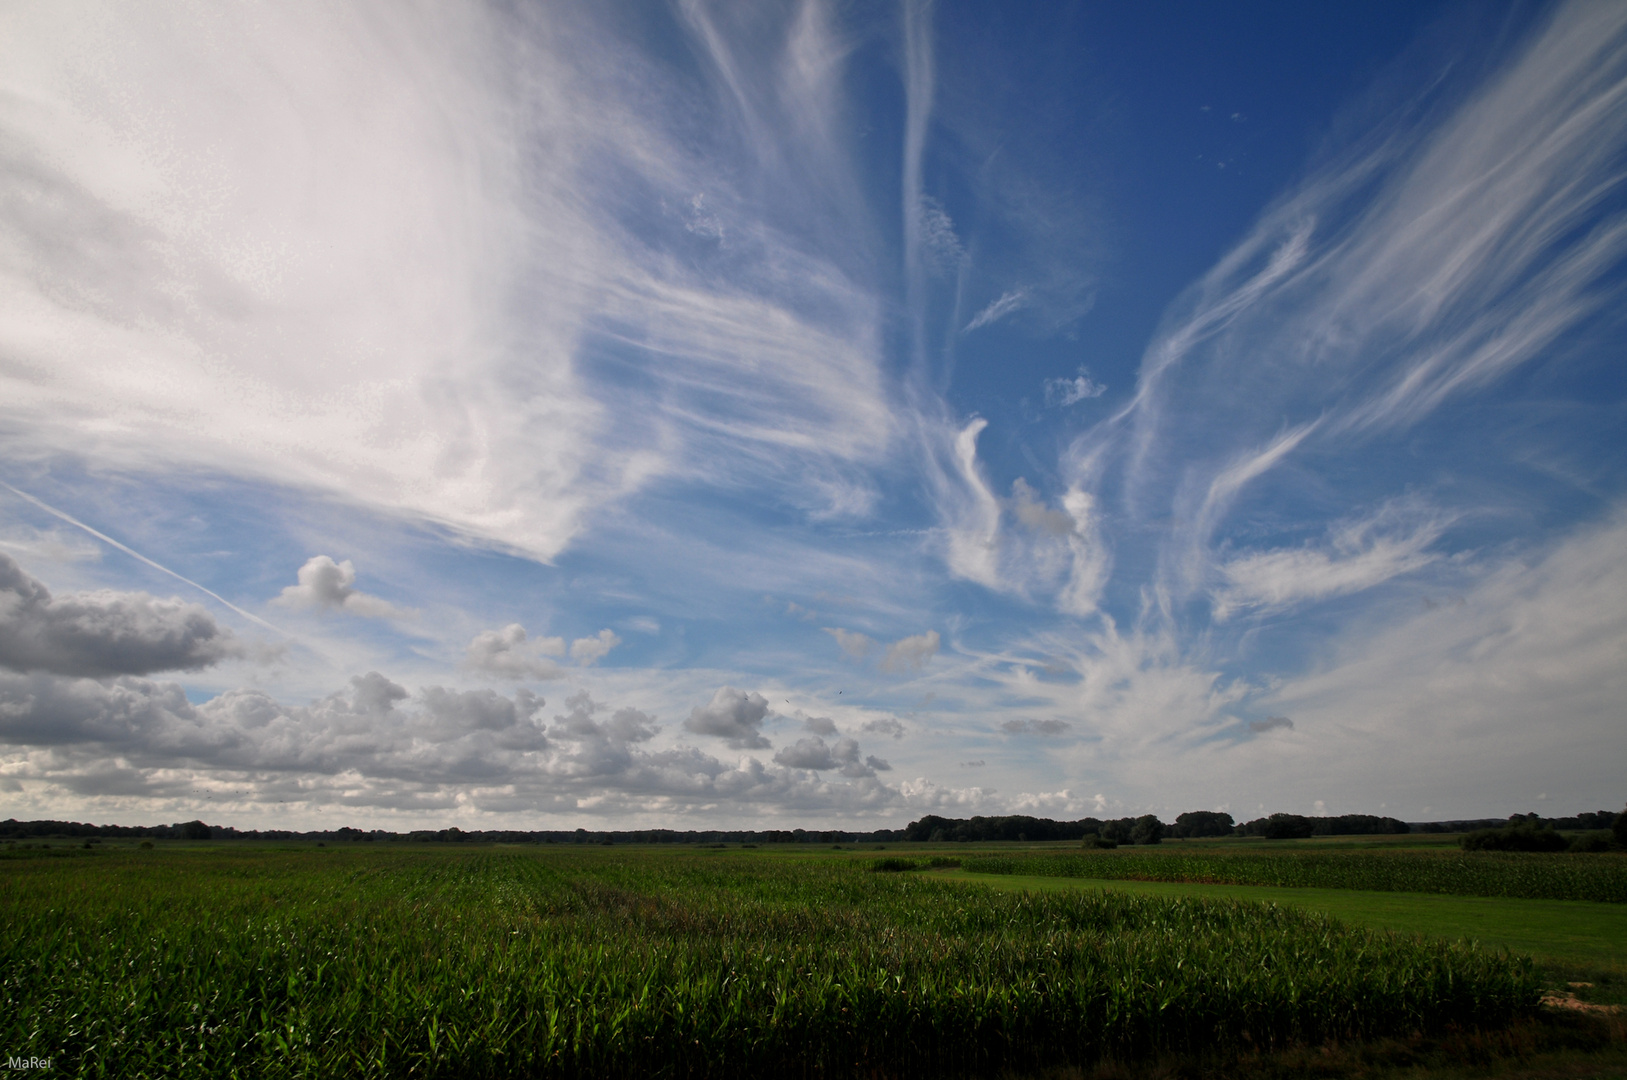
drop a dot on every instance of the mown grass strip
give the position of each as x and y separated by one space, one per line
1563 933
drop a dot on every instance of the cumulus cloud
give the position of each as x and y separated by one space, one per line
814 754
374 746
911 653
885 725
588 746
1065 392
733 716
855 644
508 652
103 633
589 650
325 585
819 725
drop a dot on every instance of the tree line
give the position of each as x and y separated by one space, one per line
1108 832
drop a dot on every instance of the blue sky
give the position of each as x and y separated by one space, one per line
699 414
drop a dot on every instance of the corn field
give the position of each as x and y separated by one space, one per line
372 962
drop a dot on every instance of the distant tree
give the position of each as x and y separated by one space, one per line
1524 836
1147 830
1620 828
1203 823
1288 827
194 830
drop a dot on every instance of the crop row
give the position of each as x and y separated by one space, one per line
1600 878
586 964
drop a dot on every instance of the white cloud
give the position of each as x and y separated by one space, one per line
1030 511
325 585
1066 392
1445 249
103 633
814 754
941 248
211 217
510 653
589 650
50 545
999 308
911 653
1471 703
820 725
1364 554
853 643
375 750
732 715
969 510
885 725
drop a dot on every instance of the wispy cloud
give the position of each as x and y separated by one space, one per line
1066 392
911 653
1358 555
997 309
856 645
246 302
1448 248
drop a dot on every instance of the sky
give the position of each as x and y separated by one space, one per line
810 414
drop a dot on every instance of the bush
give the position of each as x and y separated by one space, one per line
1097 841
1591 842
1525 837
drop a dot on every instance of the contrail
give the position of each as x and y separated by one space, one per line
134 554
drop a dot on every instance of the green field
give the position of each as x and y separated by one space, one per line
1574 936
367 960
1596 878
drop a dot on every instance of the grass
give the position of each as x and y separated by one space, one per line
1573 936
1595 878
393 961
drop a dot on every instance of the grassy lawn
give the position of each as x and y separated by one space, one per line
1571 938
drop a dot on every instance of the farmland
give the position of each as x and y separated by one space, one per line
1525 876
362 961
